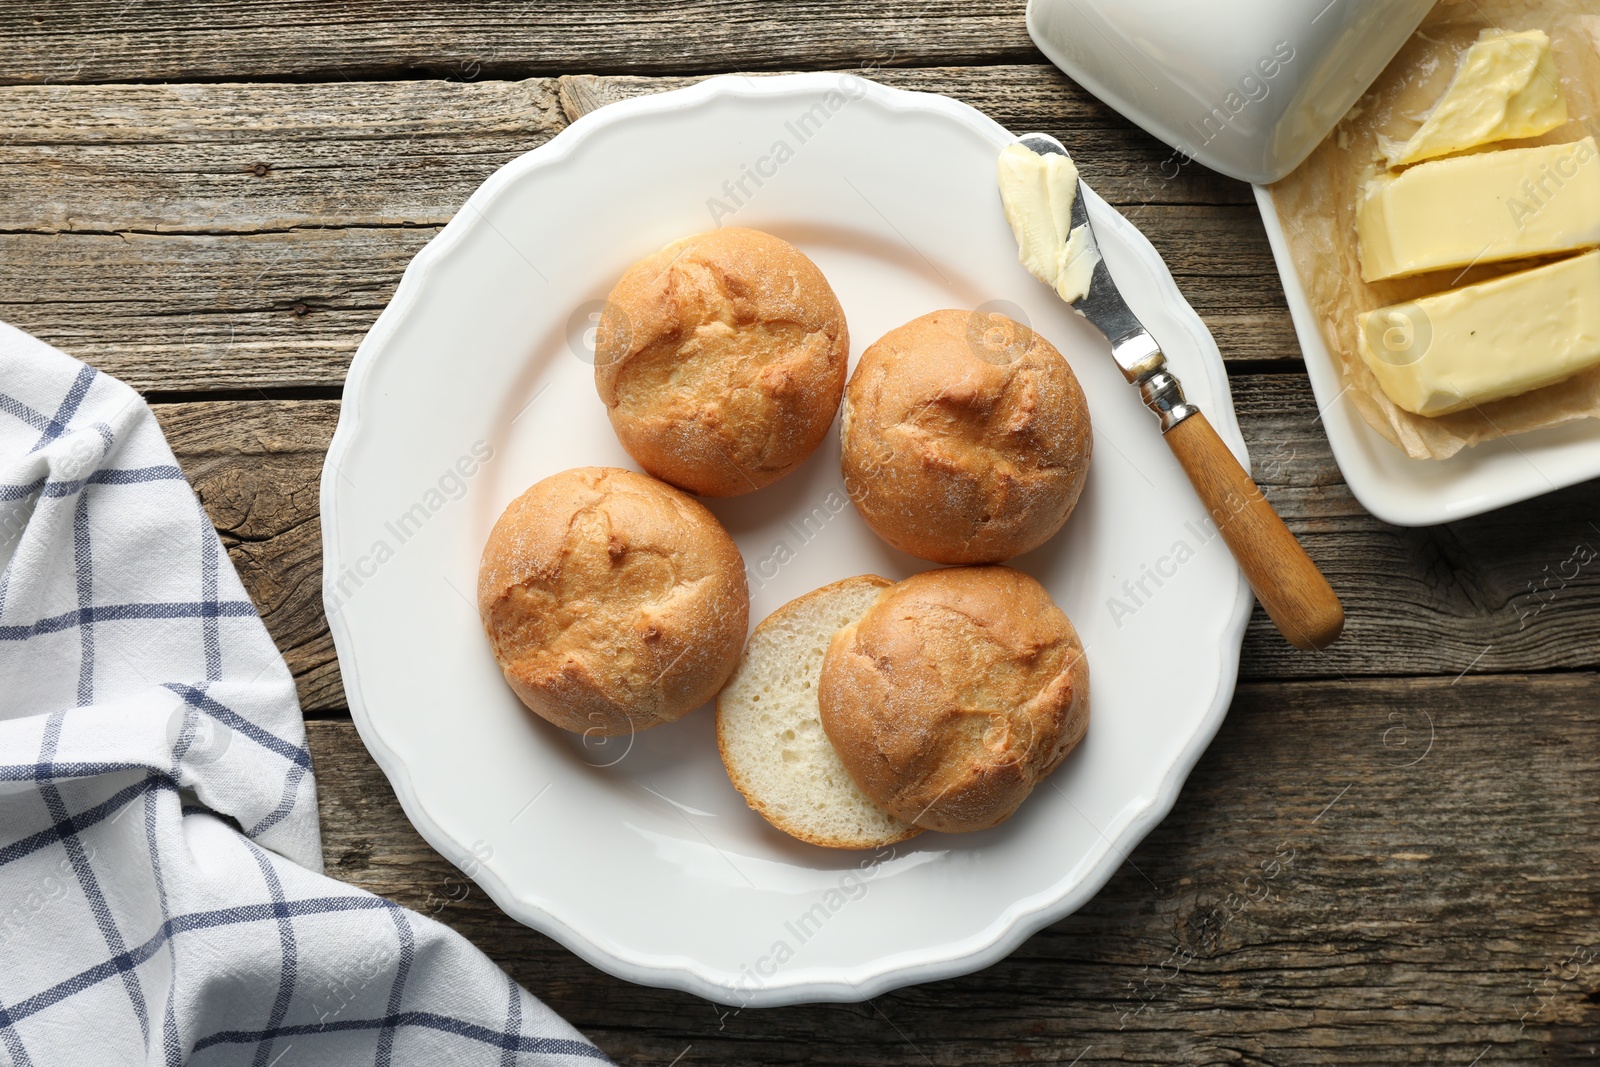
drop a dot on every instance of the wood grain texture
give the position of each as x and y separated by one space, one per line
1364 868
1514 590
255 467
1353 875
334 40
205 312
205 237
240 159
288 308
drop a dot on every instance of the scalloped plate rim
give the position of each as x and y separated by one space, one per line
946 959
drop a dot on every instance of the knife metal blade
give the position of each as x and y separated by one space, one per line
1295 593
1136 352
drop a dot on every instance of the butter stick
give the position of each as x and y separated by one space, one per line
1483 342
1511 204
1506 87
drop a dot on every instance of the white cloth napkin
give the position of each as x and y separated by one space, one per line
161 900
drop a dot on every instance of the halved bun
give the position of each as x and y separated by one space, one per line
771 735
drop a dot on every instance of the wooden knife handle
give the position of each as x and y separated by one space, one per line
1298 598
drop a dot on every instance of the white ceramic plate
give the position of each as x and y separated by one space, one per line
638 854
1425 492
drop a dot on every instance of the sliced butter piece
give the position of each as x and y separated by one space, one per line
1037 192
1483 342
1505 87
1510 204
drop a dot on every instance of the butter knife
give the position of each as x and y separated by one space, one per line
1288 584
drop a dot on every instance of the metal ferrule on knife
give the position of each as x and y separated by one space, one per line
1143 364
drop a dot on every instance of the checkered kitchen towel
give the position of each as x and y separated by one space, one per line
161 900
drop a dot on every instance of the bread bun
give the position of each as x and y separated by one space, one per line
954 694
721 360
770 734
613 603
966 438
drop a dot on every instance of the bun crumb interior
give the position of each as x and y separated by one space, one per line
769 727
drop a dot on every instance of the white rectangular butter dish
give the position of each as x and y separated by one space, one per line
1424 492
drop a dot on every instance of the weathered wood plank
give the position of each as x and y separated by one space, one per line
203 311
1514 590
1356 873
208 158
245 158
200 237
190 311
331 40
255 466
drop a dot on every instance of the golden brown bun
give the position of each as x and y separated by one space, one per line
954 695
721 360
613 603
966 438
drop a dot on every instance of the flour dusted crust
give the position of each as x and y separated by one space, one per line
721 360
966 438
613 602
954 695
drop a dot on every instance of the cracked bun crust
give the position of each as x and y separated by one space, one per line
721 360
613 603
954 695
966 438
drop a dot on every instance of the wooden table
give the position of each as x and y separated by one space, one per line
1391 853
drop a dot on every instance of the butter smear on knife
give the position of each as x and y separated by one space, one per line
1037 191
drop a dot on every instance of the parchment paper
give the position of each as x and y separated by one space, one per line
1317 205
